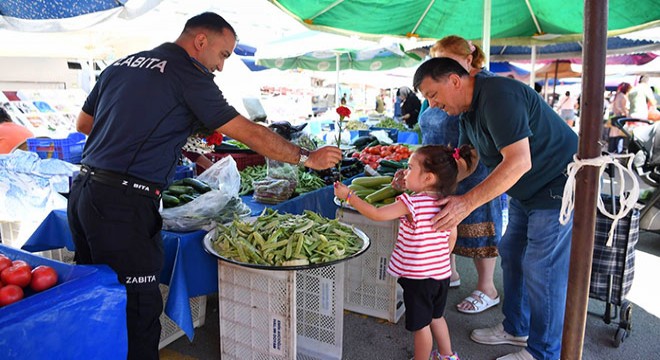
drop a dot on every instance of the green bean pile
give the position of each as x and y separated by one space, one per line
306 181
286 240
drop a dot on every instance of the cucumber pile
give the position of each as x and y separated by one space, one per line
376 190
184 191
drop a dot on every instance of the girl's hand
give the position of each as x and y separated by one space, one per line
341 190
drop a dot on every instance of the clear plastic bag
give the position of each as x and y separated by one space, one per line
225 181
280 183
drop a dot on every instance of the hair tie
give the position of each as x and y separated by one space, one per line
456 154
472 48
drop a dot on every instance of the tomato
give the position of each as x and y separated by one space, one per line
5 262
21 263
17 275
43 277
10 294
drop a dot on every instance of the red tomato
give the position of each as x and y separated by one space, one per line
10 294
17 275
43 277
5 262
21 263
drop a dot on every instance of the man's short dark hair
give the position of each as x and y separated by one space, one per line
4 116
437 69
210 21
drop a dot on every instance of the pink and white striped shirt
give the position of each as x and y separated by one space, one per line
420 252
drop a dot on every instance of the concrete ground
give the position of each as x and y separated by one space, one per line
367 338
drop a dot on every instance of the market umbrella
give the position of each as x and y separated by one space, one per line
317 51
511 22
555 70
67 15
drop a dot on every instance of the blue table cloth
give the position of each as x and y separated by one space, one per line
188 269
319 201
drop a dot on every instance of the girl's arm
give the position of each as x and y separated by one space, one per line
387 212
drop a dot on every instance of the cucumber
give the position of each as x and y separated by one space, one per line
198 185
177 190
186 198
170 201
393 164
381 194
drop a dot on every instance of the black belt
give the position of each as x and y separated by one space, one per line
122 181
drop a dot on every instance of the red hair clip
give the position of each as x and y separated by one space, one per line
456 154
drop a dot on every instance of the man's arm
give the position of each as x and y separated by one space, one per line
84 123
268 143
516 161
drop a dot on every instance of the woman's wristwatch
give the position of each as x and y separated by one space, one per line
304 155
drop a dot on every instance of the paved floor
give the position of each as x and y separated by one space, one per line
367 338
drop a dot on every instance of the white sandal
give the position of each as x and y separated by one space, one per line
480 302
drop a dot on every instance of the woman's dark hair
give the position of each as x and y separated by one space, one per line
210 21
439 160
437 69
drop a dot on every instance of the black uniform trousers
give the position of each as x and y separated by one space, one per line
119 227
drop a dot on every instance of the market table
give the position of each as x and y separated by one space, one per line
188 269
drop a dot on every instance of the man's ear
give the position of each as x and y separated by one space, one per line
455 80
200 41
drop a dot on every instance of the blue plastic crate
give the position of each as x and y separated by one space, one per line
69 149
184 171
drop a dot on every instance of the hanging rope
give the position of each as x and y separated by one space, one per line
626 203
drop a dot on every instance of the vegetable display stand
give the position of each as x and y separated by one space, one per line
280 314
368 288
82 317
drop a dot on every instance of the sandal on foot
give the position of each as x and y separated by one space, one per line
454 283
479 301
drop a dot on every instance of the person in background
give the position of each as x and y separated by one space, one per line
641 98
566 108
138 116
420 259
620 108
342 101
526 147
410 106
12 135
480 233
380 103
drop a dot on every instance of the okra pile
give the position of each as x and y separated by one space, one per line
276 239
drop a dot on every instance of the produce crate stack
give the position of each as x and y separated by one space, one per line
170 331
271 314
369 289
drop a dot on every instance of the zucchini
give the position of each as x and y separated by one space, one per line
393 164
356 187
382 194
198 185
170 201
177 190
373 182
363 193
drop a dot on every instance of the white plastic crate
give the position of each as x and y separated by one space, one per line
16 233
170 331
270 314
368 288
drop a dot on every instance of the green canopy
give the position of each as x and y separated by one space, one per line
512 22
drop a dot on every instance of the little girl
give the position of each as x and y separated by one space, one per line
420 259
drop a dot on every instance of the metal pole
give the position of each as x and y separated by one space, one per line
582 245
485 38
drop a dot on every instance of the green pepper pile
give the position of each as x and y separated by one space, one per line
286 240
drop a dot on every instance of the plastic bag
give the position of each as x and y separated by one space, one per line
280 183
225 180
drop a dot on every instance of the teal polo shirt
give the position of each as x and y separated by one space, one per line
504 111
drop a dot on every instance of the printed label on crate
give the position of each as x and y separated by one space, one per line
277 325
326 296
382 269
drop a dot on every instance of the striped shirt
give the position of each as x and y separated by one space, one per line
420 252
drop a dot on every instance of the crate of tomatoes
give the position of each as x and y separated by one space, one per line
46 304
373 155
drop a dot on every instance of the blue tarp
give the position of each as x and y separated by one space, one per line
83 317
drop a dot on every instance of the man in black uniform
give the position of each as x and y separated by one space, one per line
138 117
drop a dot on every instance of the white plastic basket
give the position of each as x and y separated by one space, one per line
16 233
170 331
269 314
368 288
